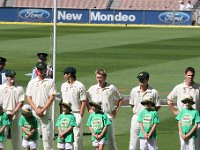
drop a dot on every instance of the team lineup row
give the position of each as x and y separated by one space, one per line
40 94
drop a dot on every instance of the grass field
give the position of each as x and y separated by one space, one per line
122 51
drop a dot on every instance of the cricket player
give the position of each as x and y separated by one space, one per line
40 95
74 93
137 95
12 98
105 93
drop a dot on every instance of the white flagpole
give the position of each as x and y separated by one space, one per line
54 59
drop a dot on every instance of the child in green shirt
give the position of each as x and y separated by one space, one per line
65 123
4 122
97 123
188 119
148 120
29 125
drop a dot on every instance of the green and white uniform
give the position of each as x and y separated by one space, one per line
30 124
98 121
188 118
148 118
64 121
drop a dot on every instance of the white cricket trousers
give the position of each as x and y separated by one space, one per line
45 127
134 134
197 139
147 144
78 132
111 136
16 134
188 144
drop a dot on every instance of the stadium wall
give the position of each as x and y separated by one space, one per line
96 16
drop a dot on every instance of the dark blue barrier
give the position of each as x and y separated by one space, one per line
8 14
97 16
34 15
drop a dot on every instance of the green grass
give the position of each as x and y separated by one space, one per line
122 51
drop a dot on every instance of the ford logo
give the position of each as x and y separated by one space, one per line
174 17
34 14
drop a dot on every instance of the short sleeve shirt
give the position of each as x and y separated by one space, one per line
10 96
136 96
188 118
181 91
148 119
73 94
4 121
105 95
40 90
64 121
30 124
98 121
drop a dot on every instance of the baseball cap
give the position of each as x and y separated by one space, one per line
66 105
26 109
188 99
143 75
2 60
147 99
41 65
42 55
70 70
10 73
95 104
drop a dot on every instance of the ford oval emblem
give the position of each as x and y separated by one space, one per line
34 14
174 17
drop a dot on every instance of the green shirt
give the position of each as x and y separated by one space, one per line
148 118
4 121
29 123
98 121
64 121
188 118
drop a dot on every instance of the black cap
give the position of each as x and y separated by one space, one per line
143 75
66 105
70 70
41 65
10 73
42 55
95 104
2 60
188 99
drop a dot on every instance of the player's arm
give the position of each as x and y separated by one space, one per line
171 106
30 101
114 112
48 104
2 129
92 132
19 105
69 129
142 129
26 131
82 109
187 136
152 130
102 133
180 130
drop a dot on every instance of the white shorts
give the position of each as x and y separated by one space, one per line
1 144
31 144
65 145
148 144
97 143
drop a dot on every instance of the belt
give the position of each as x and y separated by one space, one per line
75 111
